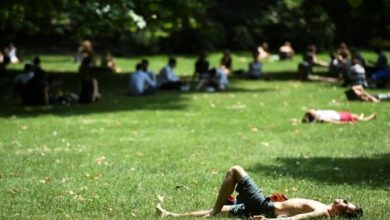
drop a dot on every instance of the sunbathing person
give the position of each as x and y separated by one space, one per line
358 93
335 117
254 205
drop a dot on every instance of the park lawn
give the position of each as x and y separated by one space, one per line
116 157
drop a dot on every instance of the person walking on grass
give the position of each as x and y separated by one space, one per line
335 117
253 204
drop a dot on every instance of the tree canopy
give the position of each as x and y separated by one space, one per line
187 26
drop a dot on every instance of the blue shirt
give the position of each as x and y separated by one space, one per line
139 81
167 75
254 69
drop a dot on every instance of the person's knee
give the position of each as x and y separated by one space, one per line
237 172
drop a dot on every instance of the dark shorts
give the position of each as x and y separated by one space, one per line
251 200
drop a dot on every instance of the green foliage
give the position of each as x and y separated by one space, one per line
187 26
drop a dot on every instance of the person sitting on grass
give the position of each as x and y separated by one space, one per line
253 204
286 51
140 82
255 68
227 62
335 117
305 68
168 80
107 63
358 93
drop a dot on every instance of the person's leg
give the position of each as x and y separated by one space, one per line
202 213
233 176
362 118
149 91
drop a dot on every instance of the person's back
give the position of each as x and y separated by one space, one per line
201 66
255 67
381 62
358 74
286 51
37 89
140 82
166 74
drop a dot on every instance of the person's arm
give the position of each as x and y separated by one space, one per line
149 81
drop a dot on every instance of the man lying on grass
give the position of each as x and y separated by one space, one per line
335 117
252 203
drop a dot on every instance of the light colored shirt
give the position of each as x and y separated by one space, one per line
327 115
24 77
222 77
167 75
139 81
358 72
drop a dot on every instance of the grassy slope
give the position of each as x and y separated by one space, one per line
111 159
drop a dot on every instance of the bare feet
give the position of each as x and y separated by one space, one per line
162 212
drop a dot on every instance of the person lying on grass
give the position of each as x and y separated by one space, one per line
335 117
251 203
358 93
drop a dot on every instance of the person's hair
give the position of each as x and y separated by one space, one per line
172 61
36 61
307 118
27 67
138 66
357 213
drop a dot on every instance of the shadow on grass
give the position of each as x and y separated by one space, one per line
373 171
114 98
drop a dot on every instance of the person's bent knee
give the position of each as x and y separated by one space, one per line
237 172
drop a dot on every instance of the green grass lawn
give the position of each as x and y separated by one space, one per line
113 158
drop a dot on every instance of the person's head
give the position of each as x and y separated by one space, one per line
312 48
345 209
36 61
145 64
87 45
264 45
308 117
356 61
343 45
172 62
138 66
28 67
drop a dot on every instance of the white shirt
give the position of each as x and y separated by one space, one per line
327 115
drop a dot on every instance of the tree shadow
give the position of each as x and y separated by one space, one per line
114 98
373 171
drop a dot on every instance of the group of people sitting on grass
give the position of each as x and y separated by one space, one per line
35 88
145 82
347 66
